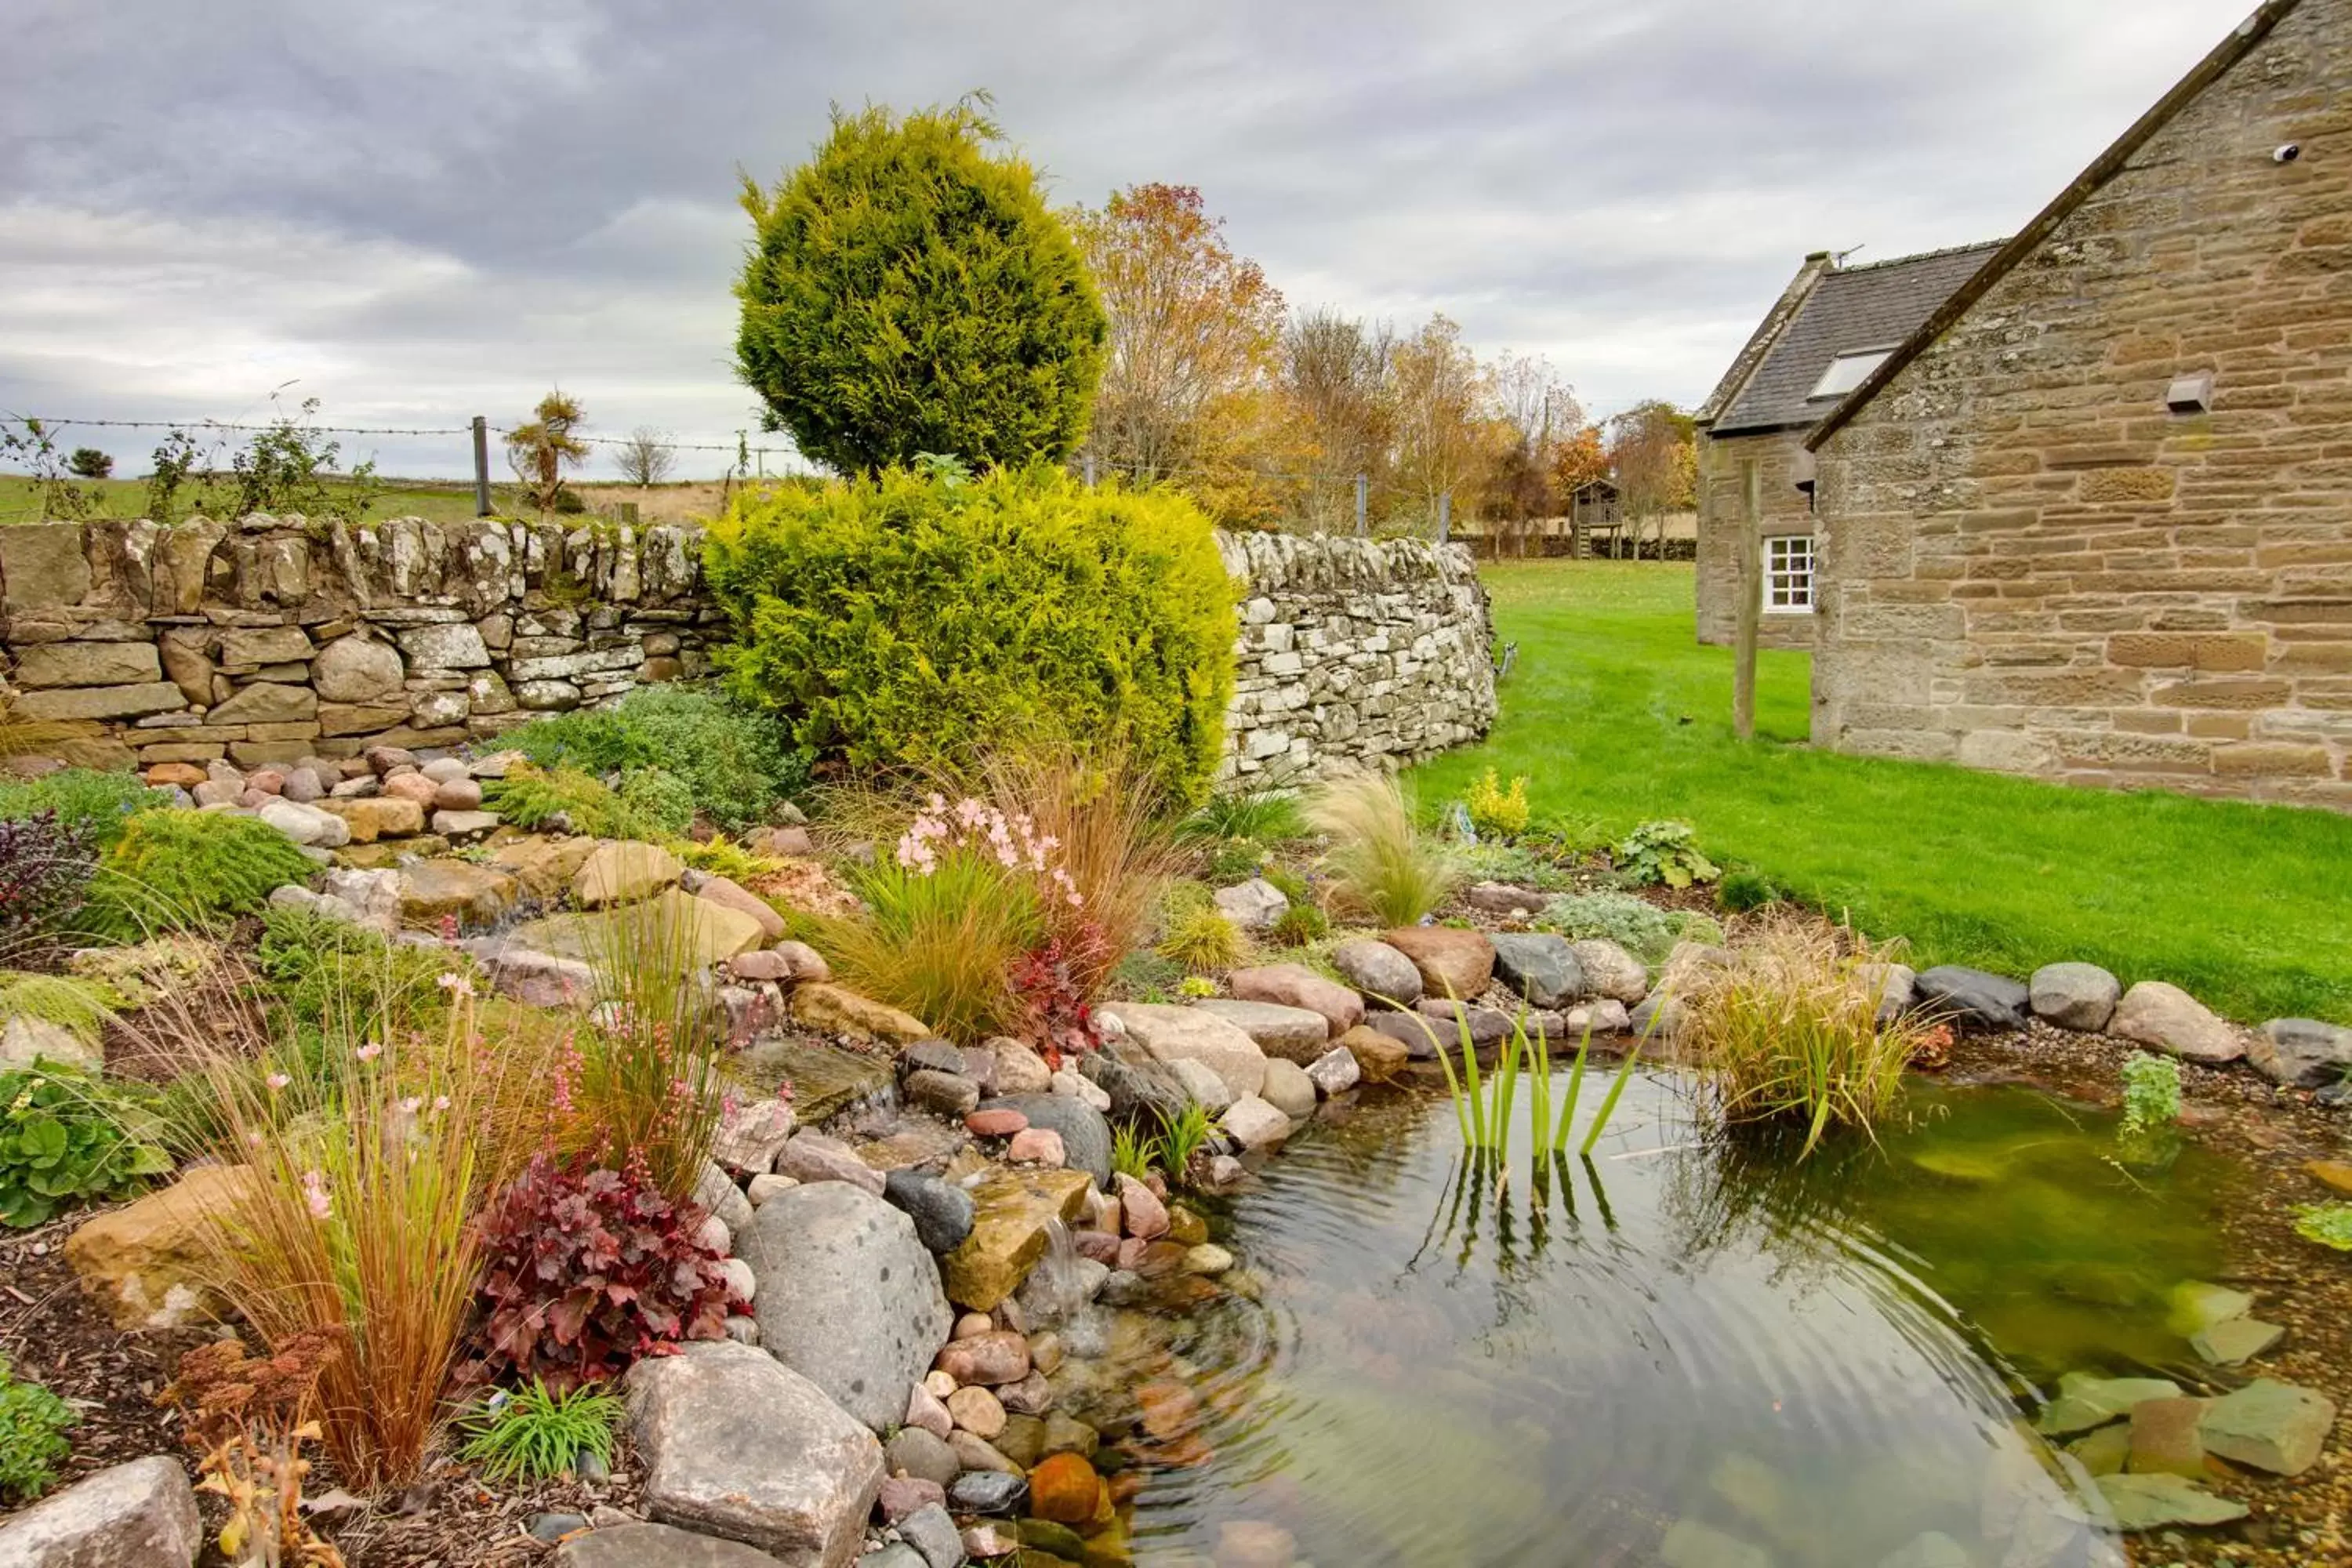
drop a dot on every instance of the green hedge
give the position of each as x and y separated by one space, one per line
906 621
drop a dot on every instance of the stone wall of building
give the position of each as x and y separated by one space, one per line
1722 507
272 640
2031 565
1355 651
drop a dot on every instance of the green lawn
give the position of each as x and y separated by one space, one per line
1615 713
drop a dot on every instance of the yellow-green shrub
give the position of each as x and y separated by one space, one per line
906 622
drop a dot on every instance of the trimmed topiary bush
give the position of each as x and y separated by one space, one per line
909 292
910 622
189 868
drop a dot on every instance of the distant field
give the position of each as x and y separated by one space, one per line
21 499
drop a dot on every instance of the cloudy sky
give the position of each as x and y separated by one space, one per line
419 211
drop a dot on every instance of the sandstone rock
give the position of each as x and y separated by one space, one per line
1145 1214
175 775
736 1444
1254 1123
1019 1069
2165 1017
742 901
1378 971
1378 1058
356 668
26 1040
1609 971
823 1006
384 816
1971 998
812 1157
1294 1033
1186 1034
88 664
849 1295
78 702
265 702
637 1545
700 932
149 1263
624 871
1450 963
1008 1235
2158 1501
431 889
1538 967
2303 1053
1254 905
1288 1088
142 1514
2074 995
1334 1072
545 866
1296 985
453 646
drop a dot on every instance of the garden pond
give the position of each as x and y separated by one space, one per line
1683 1349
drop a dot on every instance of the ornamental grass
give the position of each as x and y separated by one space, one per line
1792 1029
1383 865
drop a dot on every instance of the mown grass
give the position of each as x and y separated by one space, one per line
1616 714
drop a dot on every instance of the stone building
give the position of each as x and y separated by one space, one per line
1832 325
2093 520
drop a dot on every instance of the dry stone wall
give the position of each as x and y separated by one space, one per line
1354 652
271 639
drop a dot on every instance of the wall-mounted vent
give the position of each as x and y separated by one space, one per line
2190 394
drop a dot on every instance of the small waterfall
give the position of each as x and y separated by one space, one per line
1057 1285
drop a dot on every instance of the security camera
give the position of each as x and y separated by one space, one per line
2287 154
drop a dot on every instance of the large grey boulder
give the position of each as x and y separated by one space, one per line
356 668
1378 971
137 1515
2174 1022
1971 998
1609 971
735 1443
2302 1053
1538 966
1085 1135
1187 1034
2074 995
1136 1083
942 1211
848 1296
1254 905
1296 1034
657 1546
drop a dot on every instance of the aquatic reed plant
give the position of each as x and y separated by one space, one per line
1383 865
1182 1136
1485 1104
1794 1029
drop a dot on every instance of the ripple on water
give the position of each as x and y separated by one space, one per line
1559 1366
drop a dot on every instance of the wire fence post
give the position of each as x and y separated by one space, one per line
1363 505
1090 471
481 466
1445 516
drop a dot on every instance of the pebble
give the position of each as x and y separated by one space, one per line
977 1411
1207 1258
998 1123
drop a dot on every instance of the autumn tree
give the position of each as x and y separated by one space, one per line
542 451
1193 334
1336 401
1654 453
1444 441
1532 411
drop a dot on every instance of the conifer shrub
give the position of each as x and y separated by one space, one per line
909 292
910 621
189 868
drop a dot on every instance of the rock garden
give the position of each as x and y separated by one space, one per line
782 1122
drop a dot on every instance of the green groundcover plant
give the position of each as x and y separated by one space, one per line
65 1139
188 868
33 1424
909 621
734 762
535 1434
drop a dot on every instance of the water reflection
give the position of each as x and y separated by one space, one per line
1683 1349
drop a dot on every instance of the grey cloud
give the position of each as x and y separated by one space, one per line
441 207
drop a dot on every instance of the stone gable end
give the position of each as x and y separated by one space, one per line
2029 565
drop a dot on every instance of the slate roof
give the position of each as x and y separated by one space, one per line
1848 309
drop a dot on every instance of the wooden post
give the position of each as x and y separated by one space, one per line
1751 604
481 466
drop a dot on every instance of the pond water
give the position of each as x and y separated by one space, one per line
1682 1350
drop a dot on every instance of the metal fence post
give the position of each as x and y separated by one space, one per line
481 466
1363 505
1445 516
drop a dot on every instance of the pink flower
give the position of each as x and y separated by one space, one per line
314 1190
440 1102
411 1105
277 1082
370 1051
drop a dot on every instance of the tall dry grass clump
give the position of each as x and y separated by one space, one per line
1111 831
1794 1029
370 1151
1384 867
648 1080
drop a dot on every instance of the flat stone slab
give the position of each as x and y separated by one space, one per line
1009 1210
2158 1501
2086 1402
1296 985
2238 1340
825 1079
1187 1034
702 932
1972 998
2270 1426
736 1444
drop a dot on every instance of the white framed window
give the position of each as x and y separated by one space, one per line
1847 372
1789 574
